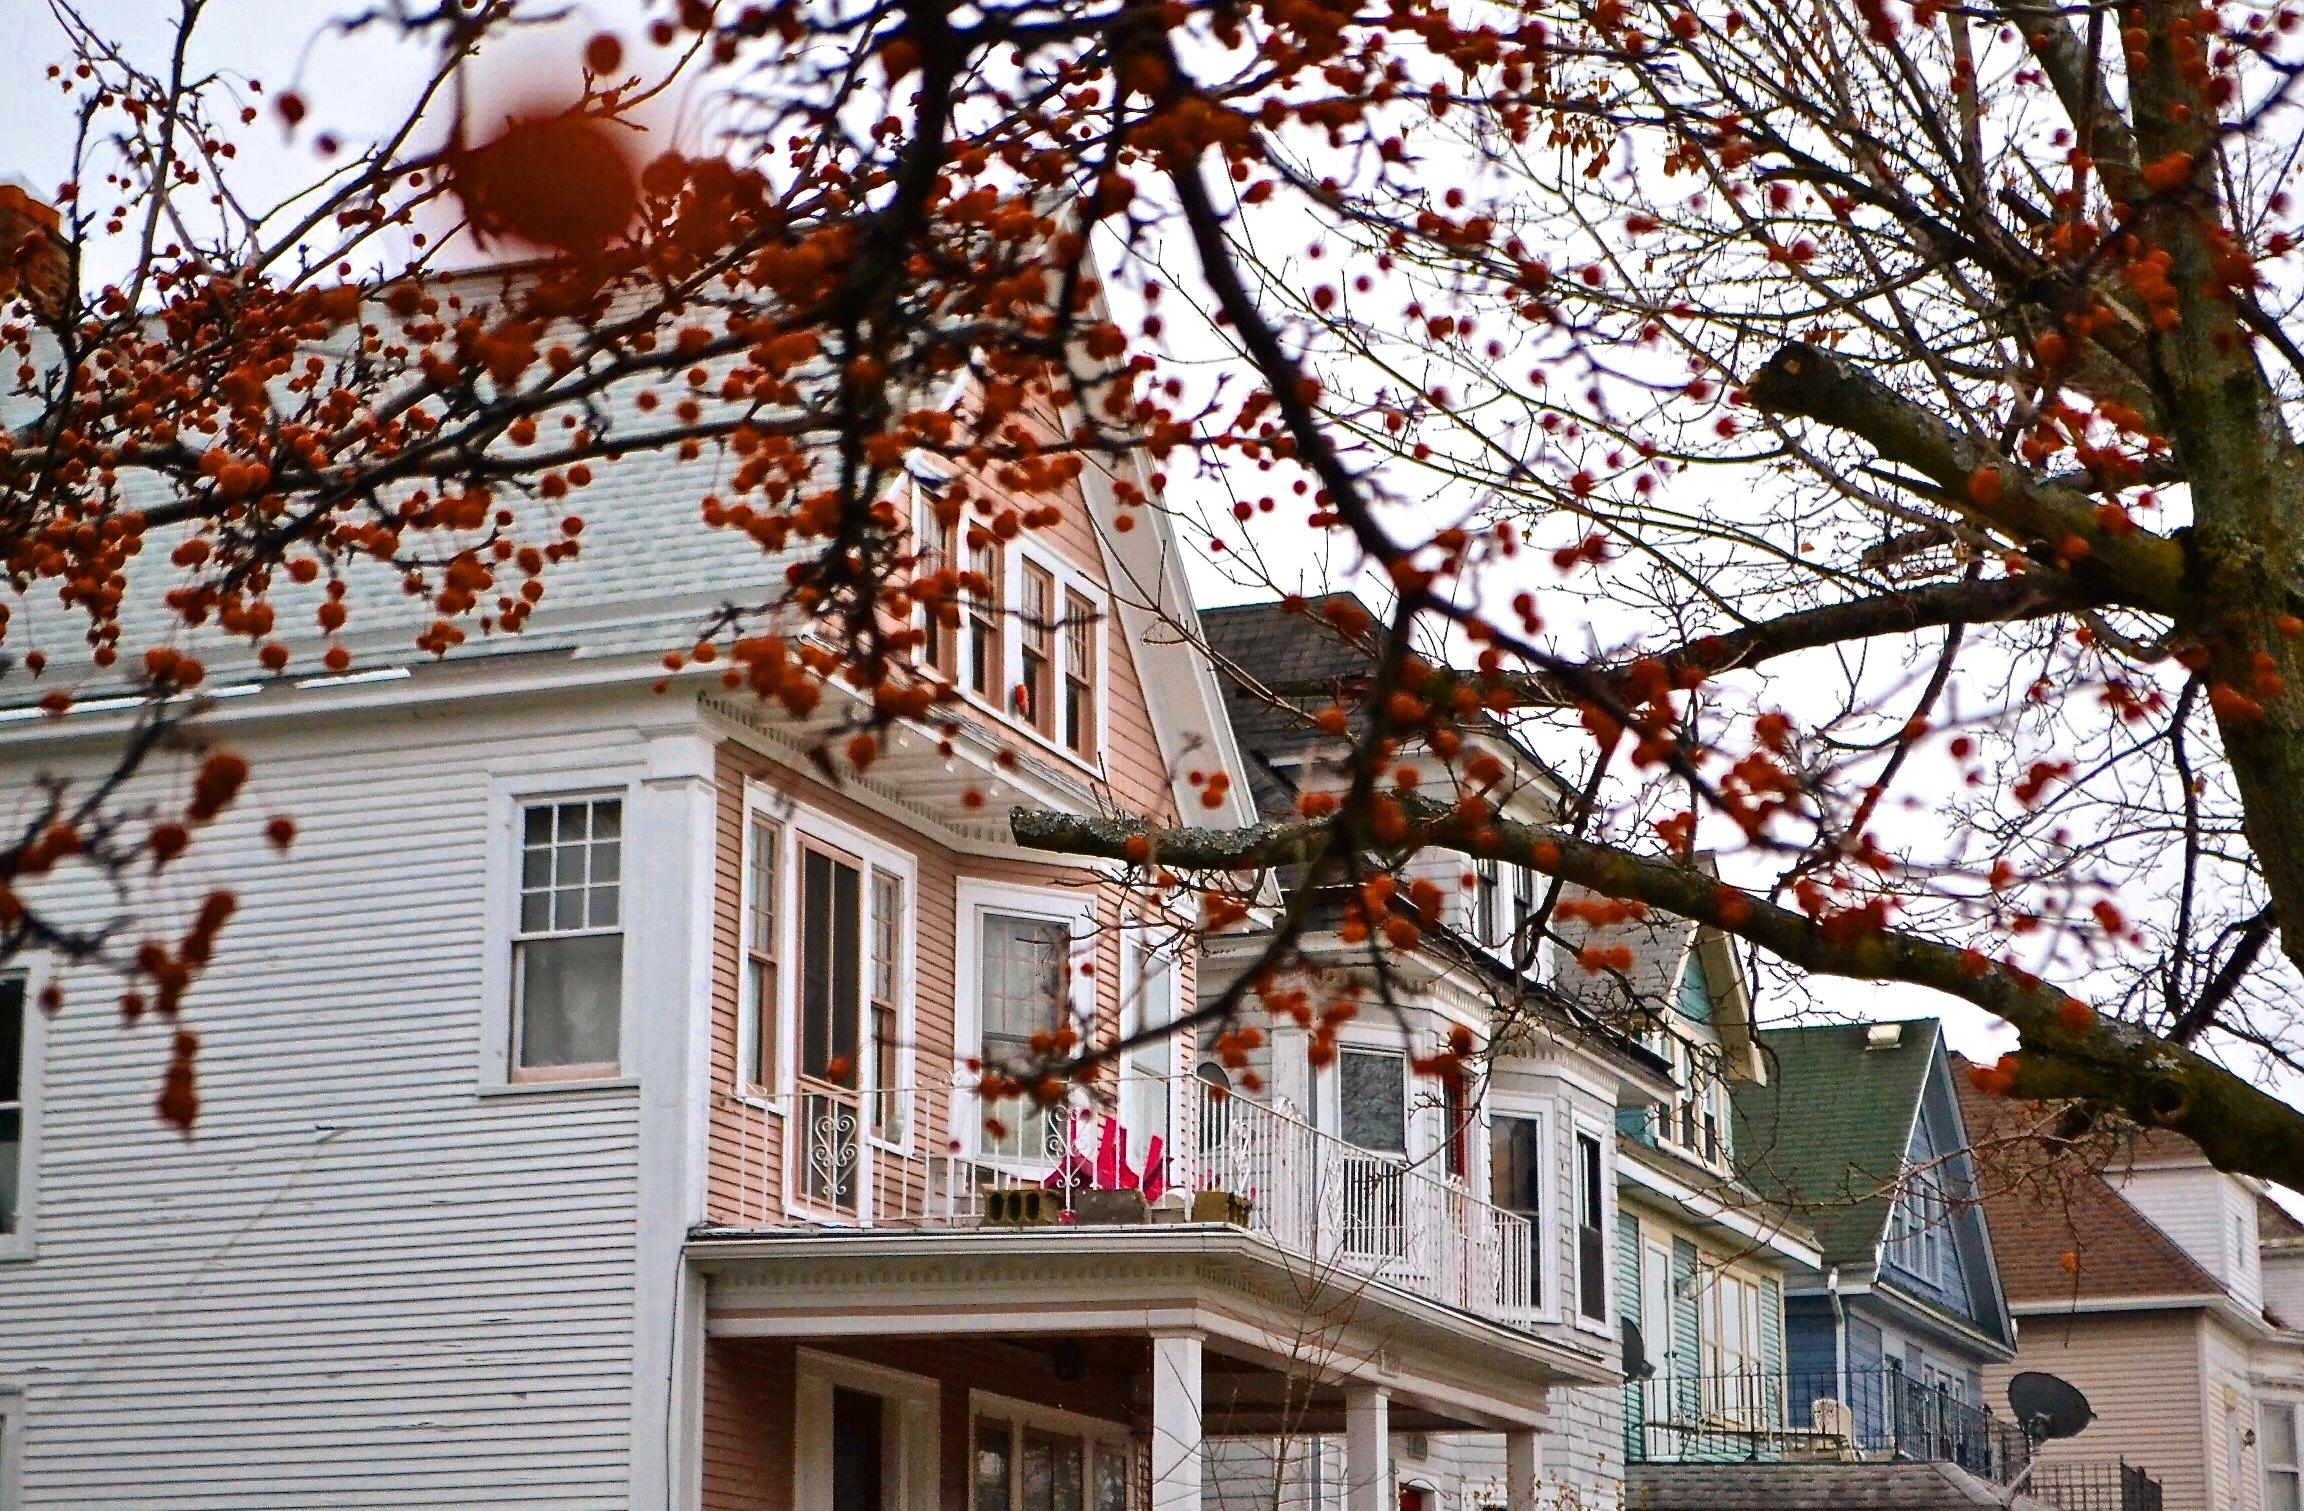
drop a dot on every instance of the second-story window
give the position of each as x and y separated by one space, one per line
1591 1238
12 1094
1036 613
1523 912
831 935
760 982
1079 675
1516 1183
887 966
1023 970
568 952
980 621
1372 1099
1488 901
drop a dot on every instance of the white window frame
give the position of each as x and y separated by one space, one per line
1065 577
20 1242
1572 1288
2292 1469
1075 908
507 798
1391 1049
1138 940
796 822
764 808
1547 1242
914 1404
1023 1415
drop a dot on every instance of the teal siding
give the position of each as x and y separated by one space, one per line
1638 1123
1695 999
1628 1268
1771 1325
1687 1314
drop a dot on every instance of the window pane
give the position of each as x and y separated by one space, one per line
761 929
831 1010
1111 1477
2280 1436
992 1451
536 829
1038 1480
2282 1493
1373 1092
1023 981
11 1038
1071 1473
569 995
1516 1164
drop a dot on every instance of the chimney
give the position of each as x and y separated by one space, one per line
33 263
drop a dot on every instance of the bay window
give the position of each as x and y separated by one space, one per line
568 947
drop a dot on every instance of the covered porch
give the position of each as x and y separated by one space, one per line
1079 1369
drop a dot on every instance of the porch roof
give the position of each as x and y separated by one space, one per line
1250 1299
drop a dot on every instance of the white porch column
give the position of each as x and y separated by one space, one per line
1176 1422
1367 1449
1523 1461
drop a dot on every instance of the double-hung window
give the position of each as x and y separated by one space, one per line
2283 1474
1080 619
1036 639
1488 901
980 619
762 849
568 947
886 980
14 1030
1591 1236
850 921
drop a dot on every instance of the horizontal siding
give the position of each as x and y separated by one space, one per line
2141 1373
361 1283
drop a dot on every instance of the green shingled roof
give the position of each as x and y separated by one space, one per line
1828 1131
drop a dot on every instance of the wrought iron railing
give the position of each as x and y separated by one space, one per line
1858 1416
810 1158
2094 1485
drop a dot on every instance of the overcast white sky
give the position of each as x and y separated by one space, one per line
359 84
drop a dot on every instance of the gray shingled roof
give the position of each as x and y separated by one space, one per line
1830 1130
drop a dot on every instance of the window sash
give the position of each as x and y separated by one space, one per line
1591 1237
1023 965
982 622
760 973
567 940
1372 1100
15 998
1036 610
1079 675
831 942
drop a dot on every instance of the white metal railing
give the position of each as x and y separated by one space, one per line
819 1157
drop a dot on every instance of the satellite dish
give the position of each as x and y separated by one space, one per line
1636 1365
2048 1408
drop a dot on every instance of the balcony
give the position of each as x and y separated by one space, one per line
1865 1416
826 1159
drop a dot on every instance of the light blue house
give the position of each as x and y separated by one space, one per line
1857 1128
